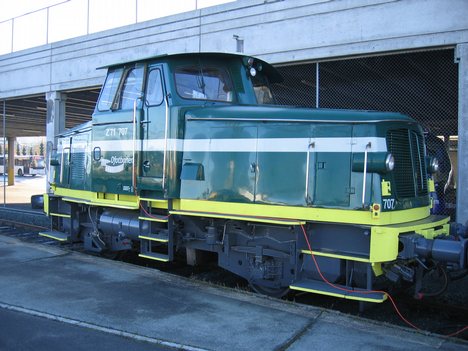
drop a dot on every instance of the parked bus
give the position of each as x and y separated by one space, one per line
31 165
25 165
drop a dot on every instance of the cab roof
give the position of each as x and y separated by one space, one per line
271 71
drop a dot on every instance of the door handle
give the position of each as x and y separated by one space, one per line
253 167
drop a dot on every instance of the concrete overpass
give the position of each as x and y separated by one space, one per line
41 82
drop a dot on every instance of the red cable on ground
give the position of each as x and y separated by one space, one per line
458 332
366 291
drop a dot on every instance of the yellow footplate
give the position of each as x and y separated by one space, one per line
53 234
154 256
318 287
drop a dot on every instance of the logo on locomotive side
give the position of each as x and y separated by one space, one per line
116 164
117 160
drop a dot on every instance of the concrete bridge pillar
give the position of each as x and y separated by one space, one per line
56 103
462 179
11 160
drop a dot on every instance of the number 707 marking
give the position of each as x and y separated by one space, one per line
388 204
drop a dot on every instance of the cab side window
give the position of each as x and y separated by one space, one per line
131 89
203 83
154 90
262 89
106 99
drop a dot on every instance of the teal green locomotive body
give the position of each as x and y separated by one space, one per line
189 152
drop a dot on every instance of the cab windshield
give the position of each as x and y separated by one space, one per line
203 83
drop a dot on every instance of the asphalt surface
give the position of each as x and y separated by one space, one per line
59 300
23 332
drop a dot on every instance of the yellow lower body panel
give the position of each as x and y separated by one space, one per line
384 230
384 240
225 209
130 202
296 213
46 204
270 220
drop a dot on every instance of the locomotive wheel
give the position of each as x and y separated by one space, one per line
269 291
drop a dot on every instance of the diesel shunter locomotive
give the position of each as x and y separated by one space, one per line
189 153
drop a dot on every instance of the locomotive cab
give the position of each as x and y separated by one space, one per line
144 104
189 152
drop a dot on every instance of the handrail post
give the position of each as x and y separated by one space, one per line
135 103
165 141
308 199
61 163
368 146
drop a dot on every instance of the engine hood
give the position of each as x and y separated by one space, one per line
288 113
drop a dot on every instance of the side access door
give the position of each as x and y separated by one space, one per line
115 131
153 132
329 166
231 173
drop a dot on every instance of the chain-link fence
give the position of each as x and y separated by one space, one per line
423 85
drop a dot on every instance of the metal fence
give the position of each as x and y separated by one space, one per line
423 85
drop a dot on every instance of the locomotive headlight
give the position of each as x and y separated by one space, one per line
432 165
378 162
389 162
251 66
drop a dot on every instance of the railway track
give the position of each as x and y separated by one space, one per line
442 315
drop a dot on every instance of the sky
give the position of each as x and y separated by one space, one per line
38 22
